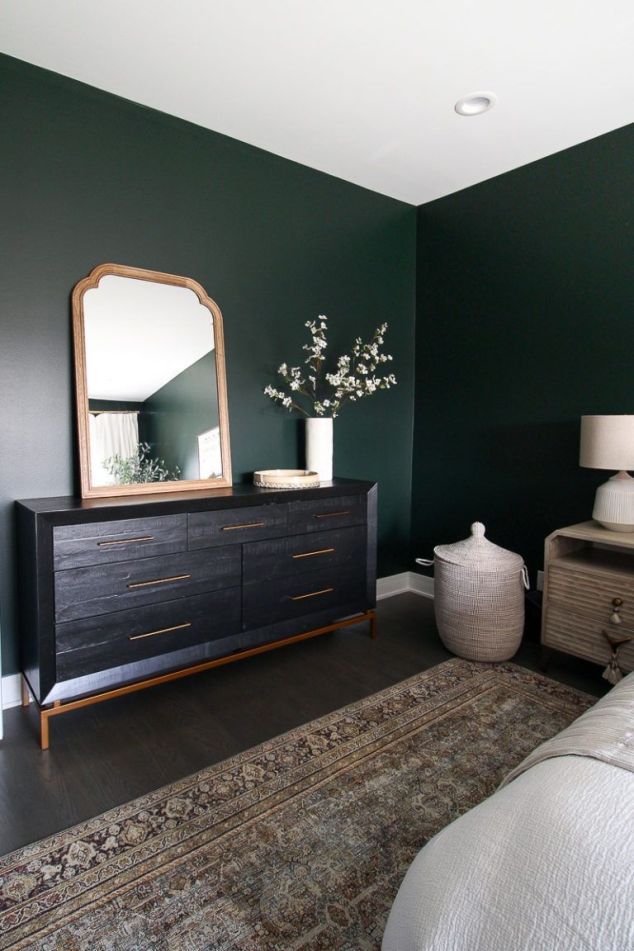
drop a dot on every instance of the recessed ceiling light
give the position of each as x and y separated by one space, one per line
475 103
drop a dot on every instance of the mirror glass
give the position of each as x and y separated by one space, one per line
151 383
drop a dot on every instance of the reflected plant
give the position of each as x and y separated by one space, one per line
139 467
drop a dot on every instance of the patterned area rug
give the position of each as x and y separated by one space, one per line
301 842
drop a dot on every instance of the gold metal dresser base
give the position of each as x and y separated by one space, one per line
59 707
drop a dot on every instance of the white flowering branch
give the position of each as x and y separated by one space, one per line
355 375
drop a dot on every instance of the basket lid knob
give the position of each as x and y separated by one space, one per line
478 553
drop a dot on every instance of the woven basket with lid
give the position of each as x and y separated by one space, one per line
479 597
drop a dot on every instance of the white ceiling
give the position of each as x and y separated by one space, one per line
362 89
140 335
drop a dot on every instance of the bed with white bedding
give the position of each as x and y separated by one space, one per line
547 862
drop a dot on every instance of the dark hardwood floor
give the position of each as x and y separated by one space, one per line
108 754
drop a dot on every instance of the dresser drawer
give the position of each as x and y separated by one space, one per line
298 554
270 601
591 593
101 543
582 636
86 592
92 644
233 526
320 514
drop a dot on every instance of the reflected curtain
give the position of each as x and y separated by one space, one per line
111 434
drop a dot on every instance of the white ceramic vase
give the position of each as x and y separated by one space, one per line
319 443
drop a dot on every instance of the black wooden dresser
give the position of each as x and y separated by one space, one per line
122 593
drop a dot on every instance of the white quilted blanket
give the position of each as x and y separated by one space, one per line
545 863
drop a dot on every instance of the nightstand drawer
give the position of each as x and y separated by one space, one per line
86 592
592 593
111 640
231 526
334 587
321 514
299 554
582 636
101 543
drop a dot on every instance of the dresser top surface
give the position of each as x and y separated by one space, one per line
164 503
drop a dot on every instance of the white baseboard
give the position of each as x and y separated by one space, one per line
393 584
407 581
11 691
421 584
400 584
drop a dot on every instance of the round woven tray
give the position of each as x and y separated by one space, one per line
285 478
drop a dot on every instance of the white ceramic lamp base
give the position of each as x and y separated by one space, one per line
614 503
319 446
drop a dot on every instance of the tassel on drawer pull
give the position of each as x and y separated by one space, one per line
616 640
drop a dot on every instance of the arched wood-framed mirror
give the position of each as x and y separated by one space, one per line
151 384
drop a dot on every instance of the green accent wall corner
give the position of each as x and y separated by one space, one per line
525 322
509 307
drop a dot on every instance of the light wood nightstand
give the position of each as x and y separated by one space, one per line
588 607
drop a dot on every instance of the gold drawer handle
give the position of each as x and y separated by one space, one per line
145 584
234 528
163 630
331 514
127 541
310 554
311 594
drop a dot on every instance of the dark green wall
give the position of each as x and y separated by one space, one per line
524 310
87 178
179 412
525 322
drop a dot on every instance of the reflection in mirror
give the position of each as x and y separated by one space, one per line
153 383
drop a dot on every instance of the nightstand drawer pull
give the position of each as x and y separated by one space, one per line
311 594
146 584
615 616
332 514
127 541
234 528
162 630
311 554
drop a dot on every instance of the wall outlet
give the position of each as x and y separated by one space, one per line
540 580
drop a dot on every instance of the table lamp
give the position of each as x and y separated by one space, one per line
607 442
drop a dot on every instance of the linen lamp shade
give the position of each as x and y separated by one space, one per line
607 442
